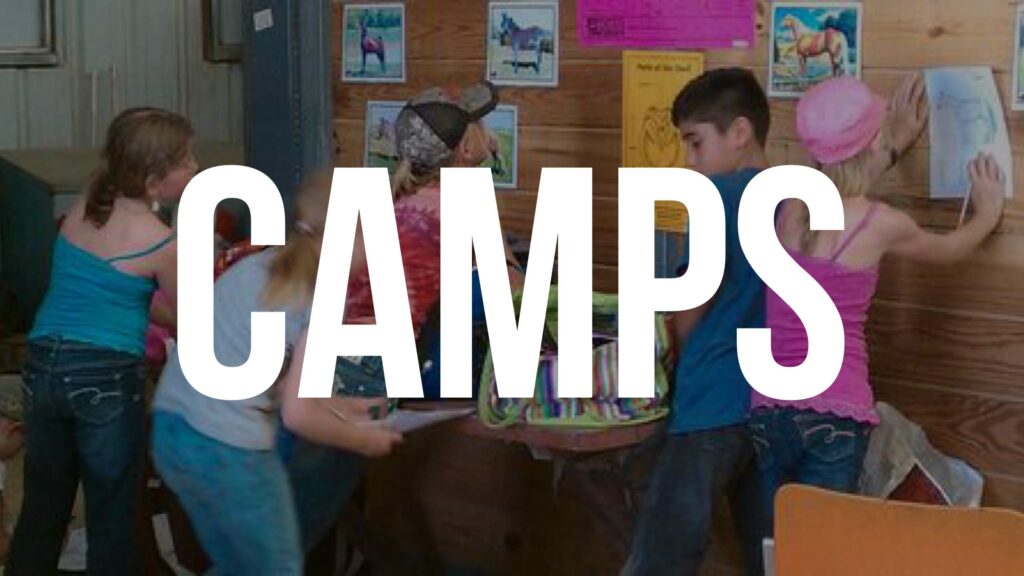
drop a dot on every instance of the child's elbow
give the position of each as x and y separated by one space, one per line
293 416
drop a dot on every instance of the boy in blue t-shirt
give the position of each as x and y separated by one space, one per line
723 118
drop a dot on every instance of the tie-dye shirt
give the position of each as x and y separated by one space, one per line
418 218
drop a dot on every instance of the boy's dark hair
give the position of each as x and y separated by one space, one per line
720 97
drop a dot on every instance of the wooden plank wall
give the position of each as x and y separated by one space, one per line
116 54
947 343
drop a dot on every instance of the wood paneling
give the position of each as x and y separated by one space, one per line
957 351
985 431
947 343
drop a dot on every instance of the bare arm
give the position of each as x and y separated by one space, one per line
162 311
910 241
167 273
314 420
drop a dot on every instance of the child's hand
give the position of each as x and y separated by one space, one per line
377 439
908 113
988 186
358 409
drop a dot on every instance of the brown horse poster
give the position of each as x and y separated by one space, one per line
812 42
373 43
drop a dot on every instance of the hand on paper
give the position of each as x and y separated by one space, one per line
988 187
908 113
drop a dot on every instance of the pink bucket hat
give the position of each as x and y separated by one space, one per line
838 118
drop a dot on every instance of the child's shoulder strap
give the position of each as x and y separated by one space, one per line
146 252
856 231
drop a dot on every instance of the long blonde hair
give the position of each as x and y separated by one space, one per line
852 178
292 272
408 180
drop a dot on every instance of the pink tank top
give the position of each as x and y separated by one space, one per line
851 290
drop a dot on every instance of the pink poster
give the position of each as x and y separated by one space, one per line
686 24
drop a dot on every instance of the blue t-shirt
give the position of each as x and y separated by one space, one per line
710 390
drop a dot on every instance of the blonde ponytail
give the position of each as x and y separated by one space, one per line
407 181
292 272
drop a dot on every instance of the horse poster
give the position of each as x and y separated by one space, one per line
1018 59
381 150
503 122
373 43
650 82
812 42
522 43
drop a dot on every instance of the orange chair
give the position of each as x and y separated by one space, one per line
823 533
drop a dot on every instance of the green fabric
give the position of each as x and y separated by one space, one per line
605 409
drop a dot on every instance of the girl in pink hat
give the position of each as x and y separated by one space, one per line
822 441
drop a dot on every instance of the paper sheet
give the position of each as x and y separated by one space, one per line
690 24
966 119
650 83
411 420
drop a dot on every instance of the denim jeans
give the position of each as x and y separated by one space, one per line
807 447
238 500
84 419
693 472
322 479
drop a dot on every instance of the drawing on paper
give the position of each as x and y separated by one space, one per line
660 146
966 120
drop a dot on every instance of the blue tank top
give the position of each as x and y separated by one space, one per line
91 301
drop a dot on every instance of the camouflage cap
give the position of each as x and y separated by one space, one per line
432 124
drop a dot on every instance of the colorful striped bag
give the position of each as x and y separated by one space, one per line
604 408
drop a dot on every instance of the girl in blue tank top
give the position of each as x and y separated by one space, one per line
85 374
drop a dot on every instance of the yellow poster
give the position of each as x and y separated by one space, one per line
650 82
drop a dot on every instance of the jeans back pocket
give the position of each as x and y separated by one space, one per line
99 398
828 438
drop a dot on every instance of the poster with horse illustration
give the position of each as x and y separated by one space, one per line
522 43
381 150
1018 59
811 42
373 43
503 122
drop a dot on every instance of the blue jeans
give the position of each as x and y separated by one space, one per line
807 447
322 479
694 471
239 501
84 419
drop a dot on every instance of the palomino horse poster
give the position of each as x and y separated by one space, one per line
522 43
812 42
373 43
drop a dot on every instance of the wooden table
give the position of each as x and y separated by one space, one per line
577 453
